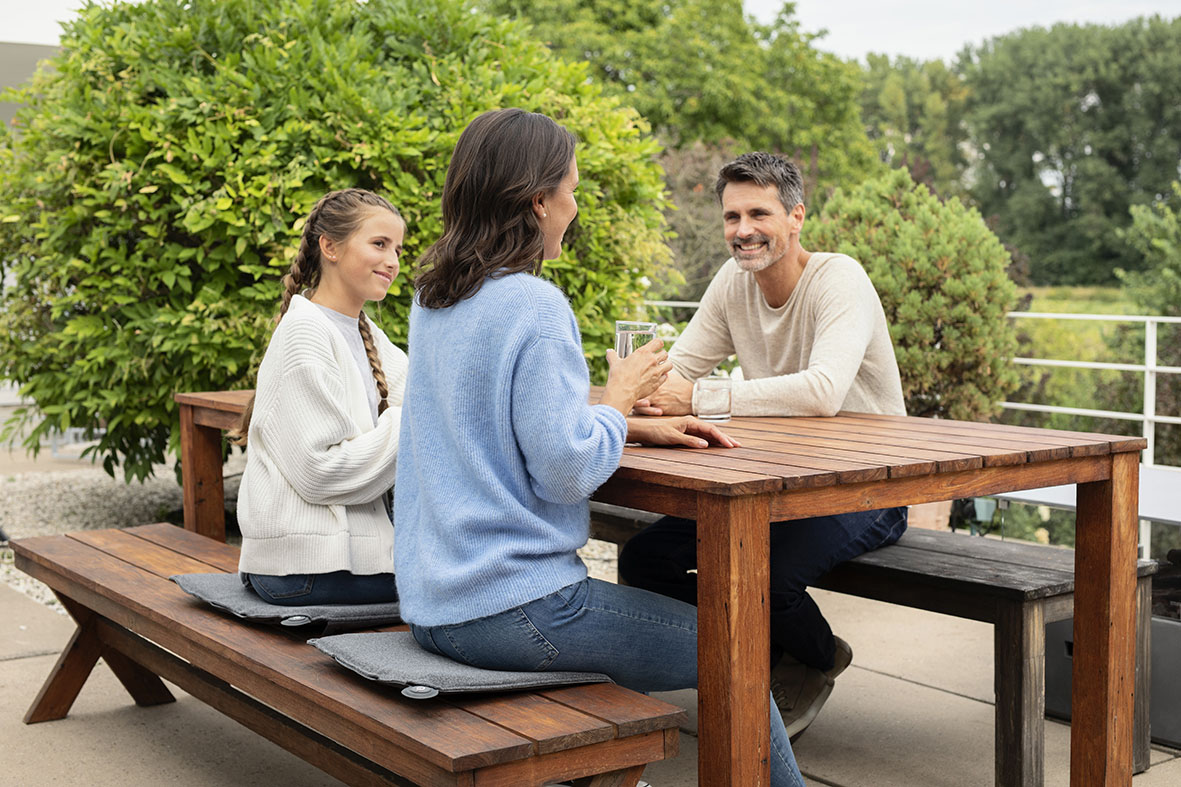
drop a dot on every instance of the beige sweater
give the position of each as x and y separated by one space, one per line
827 349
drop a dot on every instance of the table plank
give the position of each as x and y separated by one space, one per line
956 454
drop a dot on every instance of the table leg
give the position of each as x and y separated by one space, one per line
1104 628
201 473
733 652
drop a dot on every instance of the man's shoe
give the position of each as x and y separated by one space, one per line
800 691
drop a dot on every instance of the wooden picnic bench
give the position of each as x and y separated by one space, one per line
789 468
115 585
1017 587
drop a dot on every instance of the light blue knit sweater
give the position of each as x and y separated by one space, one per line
499 453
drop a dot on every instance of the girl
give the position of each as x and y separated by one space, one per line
323 424
501 450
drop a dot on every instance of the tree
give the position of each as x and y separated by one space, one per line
1156 233
1074 125
913 112
701 71
155 189
940 273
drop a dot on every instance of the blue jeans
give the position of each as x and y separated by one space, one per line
803 550
335 587
642 640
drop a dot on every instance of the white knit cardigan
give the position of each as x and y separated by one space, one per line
317 465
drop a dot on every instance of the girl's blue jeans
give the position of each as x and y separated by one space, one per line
334 587
642 640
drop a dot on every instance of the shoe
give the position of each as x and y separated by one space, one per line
800 691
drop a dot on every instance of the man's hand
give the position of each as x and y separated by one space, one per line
675 397
685 430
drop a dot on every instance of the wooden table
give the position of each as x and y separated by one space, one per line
789 468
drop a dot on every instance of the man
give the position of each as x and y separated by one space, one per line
812 339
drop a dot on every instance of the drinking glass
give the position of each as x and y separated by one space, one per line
713 398
632 336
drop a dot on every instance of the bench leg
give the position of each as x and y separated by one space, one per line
625 778
1020 682
77 661
1141 731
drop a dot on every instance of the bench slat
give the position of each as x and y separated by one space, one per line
631 714
217 554
550 725
144 555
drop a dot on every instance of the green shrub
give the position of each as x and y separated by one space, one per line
940 273
154 189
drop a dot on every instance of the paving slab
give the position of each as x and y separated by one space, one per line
28 628
107 741
945 652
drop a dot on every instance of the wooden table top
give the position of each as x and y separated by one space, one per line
783 454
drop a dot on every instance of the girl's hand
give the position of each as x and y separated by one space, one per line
684 430
636 376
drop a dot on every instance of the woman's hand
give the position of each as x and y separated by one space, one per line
636 376
684 430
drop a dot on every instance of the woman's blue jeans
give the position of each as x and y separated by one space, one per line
334 587
644 641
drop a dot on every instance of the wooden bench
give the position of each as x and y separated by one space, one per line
1018 587
115 584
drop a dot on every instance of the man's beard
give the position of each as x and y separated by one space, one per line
752 263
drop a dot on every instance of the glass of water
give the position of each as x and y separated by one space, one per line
631 336
713 398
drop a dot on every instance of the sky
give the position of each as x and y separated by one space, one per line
930 29
921 29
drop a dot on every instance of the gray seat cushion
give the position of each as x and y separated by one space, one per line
226 591
394 657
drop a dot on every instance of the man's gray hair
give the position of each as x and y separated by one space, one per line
765 169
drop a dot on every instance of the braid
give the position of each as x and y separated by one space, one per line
304 273
383 389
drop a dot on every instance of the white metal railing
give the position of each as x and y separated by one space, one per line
1150 369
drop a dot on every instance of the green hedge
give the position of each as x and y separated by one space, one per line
153 191
941 276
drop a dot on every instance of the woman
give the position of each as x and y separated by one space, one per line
500 450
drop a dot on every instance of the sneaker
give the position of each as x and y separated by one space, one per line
800 691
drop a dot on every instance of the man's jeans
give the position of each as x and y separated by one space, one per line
642 640
660 557
335 587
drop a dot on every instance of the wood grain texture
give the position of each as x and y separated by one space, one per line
201 469
1019 671
1104 625
733 548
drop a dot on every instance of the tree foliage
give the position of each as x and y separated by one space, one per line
914 112
701 70
1156 232
154 191
1073 126
940 273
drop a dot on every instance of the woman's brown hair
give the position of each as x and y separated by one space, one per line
336 216
503 159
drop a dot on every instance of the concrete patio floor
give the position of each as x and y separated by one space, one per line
914 709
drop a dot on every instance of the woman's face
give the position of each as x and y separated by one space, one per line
558 209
